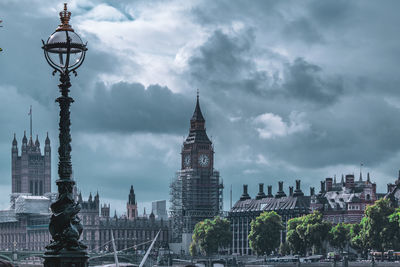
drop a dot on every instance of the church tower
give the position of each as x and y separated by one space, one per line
31 171
196 191
131 206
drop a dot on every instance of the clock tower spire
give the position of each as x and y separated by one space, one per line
197 149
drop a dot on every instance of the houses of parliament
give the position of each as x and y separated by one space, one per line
24 226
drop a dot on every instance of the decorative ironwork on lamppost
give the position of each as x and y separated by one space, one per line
65 52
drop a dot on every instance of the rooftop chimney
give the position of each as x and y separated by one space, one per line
245 195
270 191
291 191
349 181
312 191
298 192
261 193
328 184
322 187
280 192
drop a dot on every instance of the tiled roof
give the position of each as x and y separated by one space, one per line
272 204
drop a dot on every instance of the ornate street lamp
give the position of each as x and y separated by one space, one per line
65 52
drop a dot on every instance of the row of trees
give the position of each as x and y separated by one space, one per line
379 230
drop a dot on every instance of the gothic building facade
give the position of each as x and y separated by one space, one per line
25 226
196 192
31 170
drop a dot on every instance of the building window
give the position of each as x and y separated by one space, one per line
36 188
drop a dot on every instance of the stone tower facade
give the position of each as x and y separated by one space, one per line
131 206
31 170
196 192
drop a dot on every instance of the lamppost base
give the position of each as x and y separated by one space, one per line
66 259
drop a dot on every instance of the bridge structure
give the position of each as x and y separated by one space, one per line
128 255
24 255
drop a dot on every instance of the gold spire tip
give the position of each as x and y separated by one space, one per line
65 16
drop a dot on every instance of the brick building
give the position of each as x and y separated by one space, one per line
344 201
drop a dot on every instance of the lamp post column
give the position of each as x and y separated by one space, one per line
65 249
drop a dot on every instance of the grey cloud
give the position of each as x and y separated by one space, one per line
221 57
302 29
227 63
131 108
304 81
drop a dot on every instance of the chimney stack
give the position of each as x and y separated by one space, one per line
291 191
261 193
322 187
280 192
328 182
298 192
270 191
245 195
349 181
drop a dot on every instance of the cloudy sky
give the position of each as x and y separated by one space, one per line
289 89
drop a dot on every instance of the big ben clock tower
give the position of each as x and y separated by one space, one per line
197 150
196 192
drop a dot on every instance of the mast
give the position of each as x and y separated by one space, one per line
115 252
30 115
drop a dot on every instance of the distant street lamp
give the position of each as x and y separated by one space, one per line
65 52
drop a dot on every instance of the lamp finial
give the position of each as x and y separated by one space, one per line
65 16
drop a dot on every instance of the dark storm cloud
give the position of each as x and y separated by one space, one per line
131 108
221 58
227 63
303 80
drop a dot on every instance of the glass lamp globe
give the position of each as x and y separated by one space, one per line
64 49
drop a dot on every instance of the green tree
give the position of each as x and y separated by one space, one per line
339 236
395 217
296 243
265 233
307 233
358 237
315 231
210 235
381 231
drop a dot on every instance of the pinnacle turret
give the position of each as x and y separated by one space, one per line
37 143
47 142
14 142
131 198
24 139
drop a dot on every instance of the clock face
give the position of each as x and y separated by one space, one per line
203 160
186 161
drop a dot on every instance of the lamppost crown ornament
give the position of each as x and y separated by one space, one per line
65 16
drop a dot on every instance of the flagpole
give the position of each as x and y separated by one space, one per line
30 114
